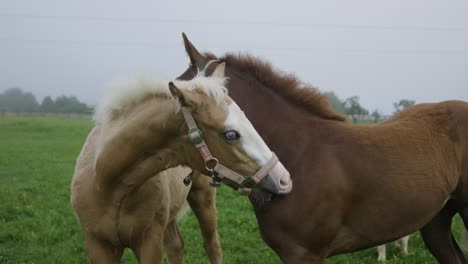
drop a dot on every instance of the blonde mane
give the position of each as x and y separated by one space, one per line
126 95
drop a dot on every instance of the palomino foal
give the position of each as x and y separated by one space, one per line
122 195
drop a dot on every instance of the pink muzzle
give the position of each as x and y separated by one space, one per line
280 176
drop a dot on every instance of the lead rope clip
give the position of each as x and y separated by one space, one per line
188 179
215 182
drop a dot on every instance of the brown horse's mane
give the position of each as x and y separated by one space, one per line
286 85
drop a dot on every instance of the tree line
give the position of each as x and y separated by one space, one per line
351 107
16 100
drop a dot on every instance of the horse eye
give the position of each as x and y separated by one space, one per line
231 135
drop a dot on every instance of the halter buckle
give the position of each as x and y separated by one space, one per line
195 136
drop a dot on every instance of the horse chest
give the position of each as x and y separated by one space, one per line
291 223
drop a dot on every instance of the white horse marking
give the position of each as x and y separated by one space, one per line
251 142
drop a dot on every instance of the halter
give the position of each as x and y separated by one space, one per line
208 64
216 169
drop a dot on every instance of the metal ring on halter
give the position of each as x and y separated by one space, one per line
211 168
247 183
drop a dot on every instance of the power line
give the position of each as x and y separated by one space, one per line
85 42
234 22
155 44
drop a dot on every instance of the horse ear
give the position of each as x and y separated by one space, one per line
177 93
196 58
219 70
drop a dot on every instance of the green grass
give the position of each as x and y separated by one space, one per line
37 223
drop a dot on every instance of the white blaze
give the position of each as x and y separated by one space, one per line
251 142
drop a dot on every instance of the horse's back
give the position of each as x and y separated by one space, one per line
442 131
439 129
448 117
459 115
411 157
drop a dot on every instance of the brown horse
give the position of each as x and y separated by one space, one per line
121 191
354 186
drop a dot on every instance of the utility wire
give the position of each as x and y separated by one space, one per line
155 44
233 22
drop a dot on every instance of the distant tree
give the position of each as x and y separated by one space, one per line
336 102
47 105
402 104
69 104
353 108
376 115
15 100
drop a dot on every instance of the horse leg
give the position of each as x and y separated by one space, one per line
173 243
202 201
149 248
100 251
403 244
438 237
382 253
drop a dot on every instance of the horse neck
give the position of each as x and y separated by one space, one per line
127 156
283 125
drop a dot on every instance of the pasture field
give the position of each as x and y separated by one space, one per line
37 223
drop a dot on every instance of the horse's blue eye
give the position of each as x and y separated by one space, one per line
231 135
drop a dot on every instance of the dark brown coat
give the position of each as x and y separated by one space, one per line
354 186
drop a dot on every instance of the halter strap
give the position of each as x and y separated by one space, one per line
246 183
196 136
208 65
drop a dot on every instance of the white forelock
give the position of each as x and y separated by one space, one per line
123 96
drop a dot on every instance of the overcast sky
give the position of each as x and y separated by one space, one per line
381 51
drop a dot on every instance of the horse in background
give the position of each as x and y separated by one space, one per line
401 243
120 201
355 186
